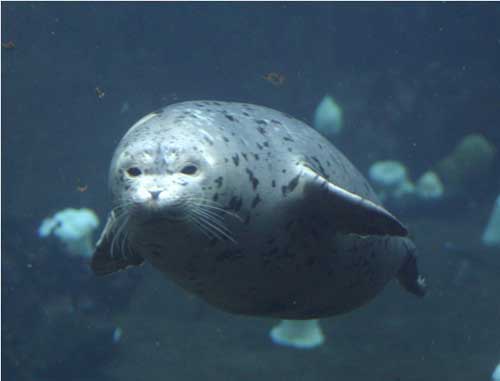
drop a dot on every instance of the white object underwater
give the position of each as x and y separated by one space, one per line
328 117
491 235
301 334
74 228
496 373
429 186
391 177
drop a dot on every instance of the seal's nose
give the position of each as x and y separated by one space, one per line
155 194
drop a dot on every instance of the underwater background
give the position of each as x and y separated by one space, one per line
413 80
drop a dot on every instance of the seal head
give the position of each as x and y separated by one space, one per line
152 178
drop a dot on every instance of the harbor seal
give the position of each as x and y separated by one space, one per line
253 211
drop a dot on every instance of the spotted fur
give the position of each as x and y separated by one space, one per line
289 259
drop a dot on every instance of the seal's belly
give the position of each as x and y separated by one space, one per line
290 273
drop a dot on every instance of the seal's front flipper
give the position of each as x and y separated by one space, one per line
350 212
104 261
409 277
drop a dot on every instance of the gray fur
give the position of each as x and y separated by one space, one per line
310 239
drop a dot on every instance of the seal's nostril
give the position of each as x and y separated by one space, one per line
155 194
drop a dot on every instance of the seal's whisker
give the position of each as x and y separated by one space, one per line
114 229
120 223
204 229
119 217
212 232
206 203
212 214
206 232
113 244
124 238
205 200
232 214
216 219
120 212
122 207
200 204
128 245
203 224
112 250
217 226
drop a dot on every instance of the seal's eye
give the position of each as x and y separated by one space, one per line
134 172
189 169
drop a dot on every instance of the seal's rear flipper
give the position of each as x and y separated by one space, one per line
103 261
409 277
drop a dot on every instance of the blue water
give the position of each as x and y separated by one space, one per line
412 80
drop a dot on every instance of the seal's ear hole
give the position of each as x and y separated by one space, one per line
134 172
189 169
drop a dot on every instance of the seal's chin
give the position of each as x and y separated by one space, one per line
153 210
